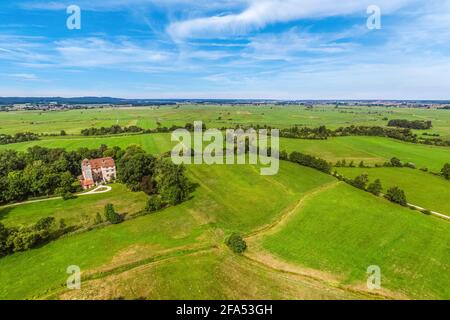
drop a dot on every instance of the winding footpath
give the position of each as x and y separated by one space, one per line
97 190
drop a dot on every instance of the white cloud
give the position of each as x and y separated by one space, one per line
261 13
24 76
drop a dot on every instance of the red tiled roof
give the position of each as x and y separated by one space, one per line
101 163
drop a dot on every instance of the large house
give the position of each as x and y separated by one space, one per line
97 172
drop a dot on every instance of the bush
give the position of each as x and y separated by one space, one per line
111 215
154 203
445 172
375 187
427 212
68 196
236 243
360 182
397 195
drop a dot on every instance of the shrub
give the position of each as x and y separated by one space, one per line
427 212
375 187
236 243
111 215
396 195
395 162
446 171
360 182
154 203
68 196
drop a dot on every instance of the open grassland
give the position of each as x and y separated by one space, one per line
79 211
213 274
73 121
371 150
309 236
343 231
421 188
222 203
153 143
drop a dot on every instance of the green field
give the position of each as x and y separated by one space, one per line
421 188
309 236
229 198
74 121
371 150
344 231
79 211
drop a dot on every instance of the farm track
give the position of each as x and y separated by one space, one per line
95 191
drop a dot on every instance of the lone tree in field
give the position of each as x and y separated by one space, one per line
446 171
111 215
236 243
375 187
396 195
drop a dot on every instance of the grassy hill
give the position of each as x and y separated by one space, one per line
421 188
228 199
343 231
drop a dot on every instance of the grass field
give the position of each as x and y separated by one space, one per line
79 211
74 121
371 150
222 203
214 274
343 231
421 188
309 236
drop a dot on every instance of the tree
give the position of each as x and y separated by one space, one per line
111 215
4 233
446 171
362 165
236 243
375 187
395 162
360 181
134 166
154 203
44 223
173 186
396 195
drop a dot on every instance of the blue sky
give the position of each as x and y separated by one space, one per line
276 49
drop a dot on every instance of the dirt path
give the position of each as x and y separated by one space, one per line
95 191
288 212
262 257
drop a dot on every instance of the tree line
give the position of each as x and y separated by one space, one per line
415 124
323 133
117 129
18 137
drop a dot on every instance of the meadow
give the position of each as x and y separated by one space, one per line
217 116
228 199
309 236
343 231
421 188
80 211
